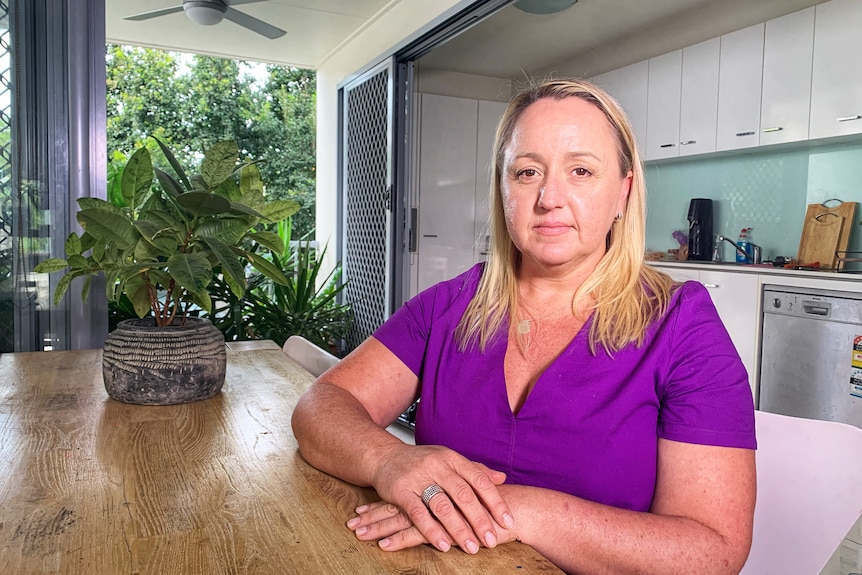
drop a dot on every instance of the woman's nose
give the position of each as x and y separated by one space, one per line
551 194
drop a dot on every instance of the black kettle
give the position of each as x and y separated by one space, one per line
700 229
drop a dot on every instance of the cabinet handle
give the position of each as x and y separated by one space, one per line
775 129
666 146
688 142
745 133
429 235
849 118
711 285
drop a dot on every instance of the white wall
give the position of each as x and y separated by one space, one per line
404 19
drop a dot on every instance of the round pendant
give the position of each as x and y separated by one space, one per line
524 327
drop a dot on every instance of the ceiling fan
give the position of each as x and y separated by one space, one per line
211 12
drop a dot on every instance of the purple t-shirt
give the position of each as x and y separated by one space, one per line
591 424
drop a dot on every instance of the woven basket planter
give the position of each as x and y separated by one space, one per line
148 365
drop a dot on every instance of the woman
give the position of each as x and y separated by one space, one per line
573 398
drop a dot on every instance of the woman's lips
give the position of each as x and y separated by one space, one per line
552 229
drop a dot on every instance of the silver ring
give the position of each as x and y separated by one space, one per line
430 492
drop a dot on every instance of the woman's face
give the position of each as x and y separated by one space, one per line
561 184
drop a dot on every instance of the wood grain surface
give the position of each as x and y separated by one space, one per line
826 230
92 486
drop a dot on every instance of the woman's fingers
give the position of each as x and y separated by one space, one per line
402 540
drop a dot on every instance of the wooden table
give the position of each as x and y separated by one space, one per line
91 486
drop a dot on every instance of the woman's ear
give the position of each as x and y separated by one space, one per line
625 190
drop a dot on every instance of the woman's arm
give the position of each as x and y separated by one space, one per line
339 424
700 520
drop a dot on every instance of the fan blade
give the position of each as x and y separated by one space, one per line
239 2
254 24
155 13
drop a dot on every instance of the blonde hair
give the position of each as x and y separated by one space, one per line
625 293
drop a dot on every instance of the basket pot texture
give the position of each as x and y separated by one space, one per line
149 365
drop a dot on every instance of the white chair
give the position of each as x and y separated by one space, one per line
313 359
809 493
316 360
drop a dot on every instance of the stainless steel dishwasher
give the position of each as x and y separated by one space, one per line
811 354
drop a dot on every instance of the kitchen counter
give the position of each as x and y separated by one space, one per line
767 271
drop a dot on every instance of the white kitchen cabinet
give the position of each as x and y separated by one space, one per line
788 49
447 187
836 85
739 88
663 93
609 82
699 98
736 297
632 96
489 116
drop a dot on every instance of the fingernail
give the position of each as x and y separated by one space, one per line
443 545
362 530
353 522
384 543
508 522
490 539
472 548
362 509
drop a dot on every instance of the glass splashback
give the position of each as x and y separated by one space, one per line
763 189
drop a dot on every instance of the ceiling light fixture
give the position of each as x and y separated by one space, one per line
544 6
204 12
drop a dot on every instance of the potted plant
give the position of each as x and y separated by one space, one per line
162 250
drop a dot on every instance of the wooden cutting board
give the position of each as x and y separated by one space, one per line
825 231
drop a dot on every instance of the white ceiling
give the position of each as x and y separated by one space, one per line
314 29
592 36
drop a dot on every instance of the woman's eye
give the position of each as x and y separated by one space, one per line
526 174
581 172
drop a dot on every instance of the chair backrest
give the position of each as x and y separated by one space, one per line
809 493
314 359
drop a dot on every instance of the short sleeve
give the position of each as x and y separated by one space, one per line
705 397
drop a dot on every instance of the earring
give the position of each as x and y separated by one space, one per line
619 216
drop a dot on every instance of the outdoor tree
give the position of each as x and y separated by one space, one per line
195 101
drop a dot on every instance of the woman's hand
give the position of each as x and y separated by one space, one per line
467 513
392 527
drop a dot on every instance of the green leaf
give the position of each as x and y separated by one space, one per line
73 245
191 271
98 204
219 163
228 230
162 239
241 209
229 189
51 265
108 227
269 240
78 262
230 266
202 299
204 203
249 180
98 251
173 162
139 295
137 178
266 268
168 183
63 285
85 289
278 210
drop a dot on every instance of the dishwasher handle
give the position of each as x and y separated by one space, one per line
818 308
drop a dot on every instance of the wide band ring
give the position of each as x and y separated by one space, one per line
430 492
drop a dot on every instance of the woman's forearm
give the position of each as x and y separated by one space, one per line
337 435
585 537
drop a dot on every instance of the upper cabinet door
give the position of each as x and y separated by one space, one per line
836 87
787 58
699 100
489 116
609 82
665 75
632 96
739 88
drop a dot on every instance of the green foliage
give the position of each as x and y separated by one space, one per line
165 245
199 100
306 305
